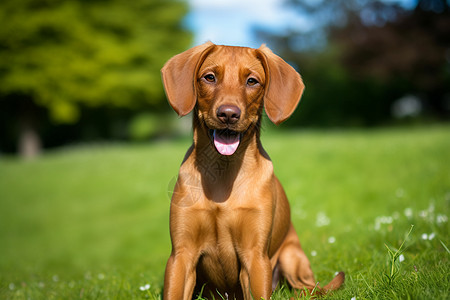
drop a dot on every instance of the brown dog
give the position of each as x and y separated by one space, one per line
229 218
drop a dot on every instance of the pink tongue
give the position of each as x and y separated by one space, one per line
226 145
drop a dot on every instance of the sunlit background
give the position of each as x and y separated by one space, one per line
90 148
82 71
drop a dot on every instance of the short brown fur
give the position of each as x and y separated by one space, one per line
229 218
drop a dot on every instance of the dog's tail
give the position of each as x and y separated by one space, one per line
318 291
336 283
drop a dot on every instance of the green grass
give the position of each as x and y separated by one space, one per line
91 222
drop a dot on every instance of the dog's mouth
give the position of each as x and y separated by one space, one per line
226 141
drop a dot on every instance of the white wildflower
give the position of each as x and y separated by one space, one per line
401 258
388 220
441 219
428 237
353 298
314 253
322 219
377 226
331 239
408 212
145 287
383 220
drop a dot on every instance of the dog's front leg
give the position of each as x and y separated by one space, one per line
256 277
180 277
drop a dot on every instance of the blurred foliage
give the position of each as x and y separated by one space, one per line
147 125
363 56
413 48
68 56
143 126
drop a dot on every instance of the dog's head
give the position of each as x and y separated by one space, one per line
230 86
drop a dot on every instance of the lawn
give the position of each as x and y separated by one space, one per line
91 221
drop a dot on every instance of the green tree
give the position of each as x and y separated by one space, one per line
62 55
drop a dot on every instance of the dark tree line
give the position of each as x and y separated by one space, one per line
366 55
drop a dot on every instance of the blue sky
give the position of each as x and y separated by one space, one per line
230 22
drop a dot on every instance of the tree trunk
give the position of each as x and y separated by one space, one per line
29 141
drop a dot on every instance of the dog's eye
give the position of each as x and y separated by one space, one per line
252 81
210 78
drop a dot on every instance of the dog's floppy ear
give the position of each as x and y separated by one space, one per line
178 76
284 86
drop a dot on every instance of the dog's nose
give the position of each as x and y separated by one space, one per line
228 114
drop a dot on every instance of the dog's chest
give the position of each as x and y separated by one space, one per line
220 261
219 264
